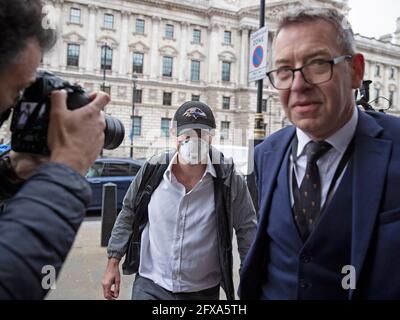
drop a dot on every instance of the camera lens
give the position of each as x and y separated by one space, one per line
114 133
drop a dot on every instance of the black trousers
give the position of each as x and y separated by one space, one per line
146 289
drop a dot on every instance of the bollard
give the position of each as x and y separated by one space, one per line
108 212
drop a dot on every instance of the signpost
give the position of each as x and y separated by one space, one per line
258 54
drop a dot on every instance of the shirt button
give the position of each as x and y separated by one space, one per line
303 284
305 258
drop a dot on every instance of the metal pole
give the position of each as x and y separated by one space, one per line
270 112
133 112
259 130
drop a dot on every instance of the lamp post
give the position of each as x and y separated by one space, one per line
270 113
105 48
134 80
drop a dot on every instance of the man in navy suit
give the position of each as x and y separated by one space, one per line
328 186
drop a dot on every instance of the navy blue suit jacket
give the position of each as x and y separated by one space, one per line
375 247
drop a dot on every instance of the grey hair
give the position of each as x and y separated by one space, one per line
345 35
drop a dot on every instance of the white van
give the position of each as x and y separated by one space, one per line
240 156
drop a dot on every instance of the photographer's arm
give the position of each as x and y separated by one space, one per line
39 224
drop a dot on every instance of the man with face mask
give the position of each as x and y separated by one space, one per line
184 241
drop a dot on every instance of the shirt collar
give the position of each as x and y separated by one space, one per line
209 169
339 140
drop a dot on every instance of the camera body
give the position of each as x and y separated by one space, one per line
30 120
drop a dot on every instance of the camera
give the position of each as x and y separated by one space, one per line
30 120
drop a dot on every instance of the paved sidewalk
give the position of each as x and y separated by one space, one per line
81 276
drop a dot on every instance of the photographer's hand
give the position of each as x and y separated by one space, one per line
76 137
24 163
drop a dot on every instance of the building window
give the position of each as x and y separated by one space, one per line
108 21
167 66
137 126
106 58
392 73
106 89
169 31
196 36
391 98
226 103
73 55
167 98
195 70
226 71
377 70
227 37
195 97
264 105
377 94
139 27
138 62
165 123
137 95
75 15
225 130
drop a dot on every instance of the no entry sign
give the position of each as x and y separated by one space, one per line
258 54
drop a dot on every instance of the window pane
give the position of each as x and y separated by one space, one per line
73 55
75 15
226 102
138 62
137 126
227 37
108 21
167 66
106 89
169 31
225 130
116 170
137 95
226 71
196 36
167 98
106 58
165 123
195 70
139 26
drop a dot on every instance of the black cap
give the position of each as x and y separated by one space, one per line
194 115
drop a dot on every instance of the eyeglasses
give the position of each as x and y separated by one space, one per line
316 72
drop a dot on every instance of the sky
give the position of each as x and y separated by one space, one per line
374 18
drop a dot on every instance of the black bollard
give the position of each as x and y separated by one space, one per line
108 212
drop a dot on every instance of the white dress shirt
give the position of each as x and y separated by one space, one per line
179 245
328 163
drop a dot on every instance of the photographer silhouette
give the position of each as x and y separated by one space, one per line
43 199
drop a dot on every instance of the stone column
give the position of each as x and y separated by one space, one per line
125 65
154 53
91 38
213 61
183 59
244 57
58 55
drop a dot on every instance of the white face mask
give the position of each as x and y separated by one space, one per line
194 151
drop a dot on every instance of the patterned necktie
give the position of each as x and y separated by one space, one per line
307 198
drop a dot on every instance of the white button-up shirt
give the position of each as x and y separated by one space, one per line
329 162
179 245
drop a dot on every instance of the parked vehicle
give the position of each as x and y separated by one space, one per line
120 171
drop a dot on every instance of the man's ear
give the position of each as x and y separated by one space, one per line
358 66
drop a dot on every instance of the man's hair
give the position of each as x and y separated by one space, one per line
344 32
21 21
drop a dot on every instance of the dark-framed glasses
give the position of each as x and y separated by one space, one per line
315 72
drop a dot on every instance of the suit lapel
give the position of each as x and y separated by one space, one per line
371 158
271 163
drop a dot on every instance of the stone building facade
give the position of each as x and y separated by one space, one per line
172 51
